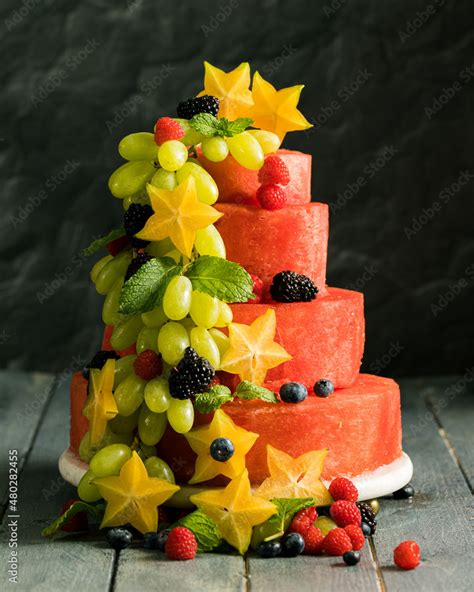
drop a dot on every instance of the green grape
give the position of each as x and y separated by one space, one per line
127 202
145 451
147 339
129 394
246 150
112 271
221 340
205 346
173 339
164 179
181 415
269 141
126 332
110 313
159 469
157 395
172 155
225 315
151 426
206 188
86 451
155 317
139 146
109 460
191 136
209 242
86 490
188 324
98 266
177 298
215 149
124 425
123 367
130 178
204 309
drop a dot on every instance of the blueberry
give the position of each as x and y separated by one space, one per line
405 492
150 540
366 529
119 538
351 557
323 388
222 449
269 548
293 392
292 545
161 539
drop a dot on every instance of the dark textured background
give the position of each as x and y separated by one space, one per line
389 86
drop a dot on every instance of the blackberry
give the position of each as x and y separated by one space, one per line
136 263
368 516
289 286
134 220
99 360
191 107
191 376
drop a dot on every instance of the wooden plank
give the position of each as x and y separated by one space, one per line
439 516
68 562
24 396
150 571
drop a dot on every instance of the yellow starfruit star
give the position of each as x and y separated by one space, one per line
252 350
276 110
235 510
100 406
201 438
295 477
178 214
231 88
133 497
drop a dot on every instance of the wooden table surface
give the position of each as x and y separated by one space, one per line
438 421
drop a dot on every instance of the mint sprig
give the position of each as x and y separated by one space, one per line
212 399
145 289
204 529
96 512
103 241
223 279
249 391
277 524
209 126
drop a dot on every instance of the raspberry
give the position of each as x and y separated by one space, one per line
337 542
343 489
289 286
181 544
166 129
191 107
300 525
356 535
136 263
118 245
310 513
313 541
344 513
407 555
274 170
148 365
271 197
191 376
257 289
76 523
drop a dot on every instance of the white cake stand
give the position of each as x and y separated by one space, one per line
383 481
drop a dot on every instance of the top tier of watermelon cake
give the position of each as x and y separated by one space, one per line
227 362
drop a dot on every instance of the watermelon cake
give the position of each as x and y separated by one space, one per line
228 378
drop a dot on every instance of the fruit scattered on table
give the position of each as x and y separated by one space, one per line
337 542
313 541
406 492
119 538
292 545
351 557
181 544
343 489
367 516
407 555
268 549
344 513
356 535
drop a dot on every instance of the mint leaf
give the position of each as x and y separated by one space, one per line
212 399
286 509
206 124
204 529
145 289
221 278
232 128
97 244
96 512
249 391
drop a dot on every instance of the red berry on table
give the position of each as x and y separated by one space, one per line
148 365
274 170
344 513
76 523
313 541
181 544
407 555
356 535
118 245
343 489
337 542
166 129
271 197
257 289
300 525
310 513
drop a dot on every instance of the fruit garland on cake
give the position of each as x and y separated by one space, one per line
167 287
